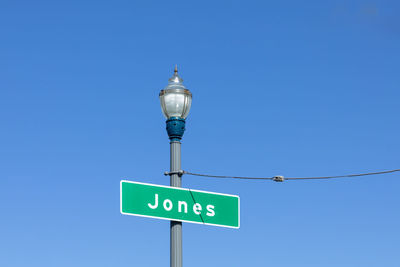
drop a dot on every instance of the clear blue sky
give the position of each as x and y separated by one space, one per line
297 88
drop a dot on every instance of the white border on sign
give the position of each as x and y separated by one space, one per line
178 188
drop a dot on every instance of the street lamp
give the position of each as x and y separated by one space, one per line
175 104
176 101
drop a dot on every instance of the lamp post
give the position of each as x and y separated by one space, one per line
175 104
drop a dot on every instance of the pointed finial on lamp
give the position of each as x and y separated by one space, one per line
175 82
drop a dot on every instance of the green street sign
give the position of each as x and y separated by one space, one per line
179 204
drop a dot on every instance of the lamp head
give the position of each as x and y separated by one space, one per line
175 98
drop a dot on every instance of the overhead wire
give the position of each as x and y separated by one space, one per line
282 178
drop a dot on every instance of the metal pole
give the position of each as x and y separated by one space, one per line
176 227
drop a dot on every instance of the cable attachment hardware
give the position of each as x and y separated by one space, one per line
278 178
180 173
